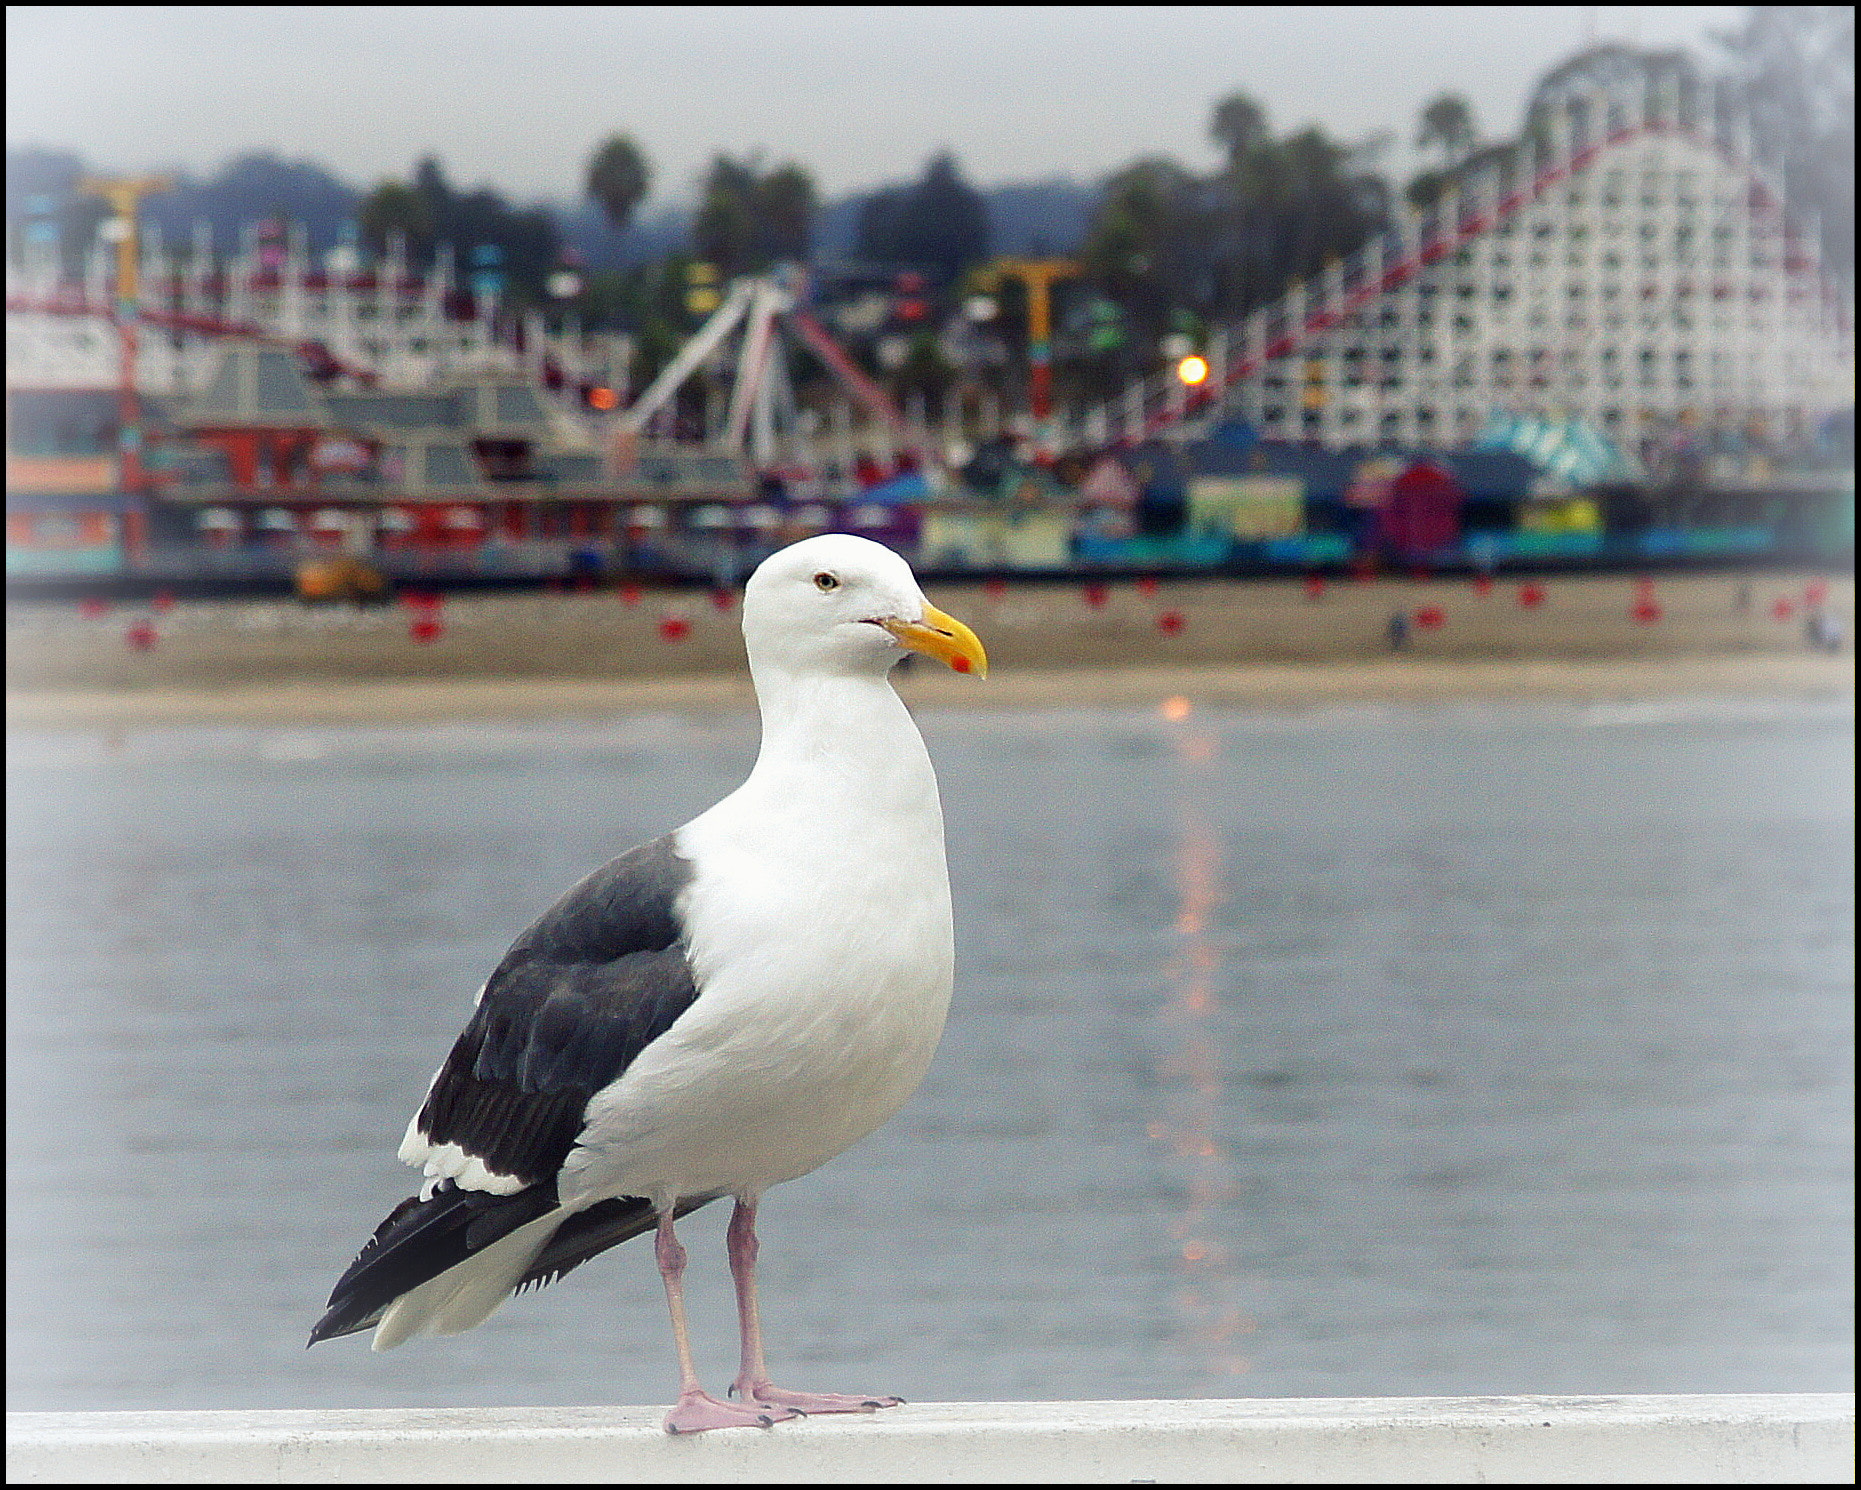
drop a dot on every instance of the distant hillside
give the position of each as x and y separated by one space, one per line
650 236
1036 217
1040 217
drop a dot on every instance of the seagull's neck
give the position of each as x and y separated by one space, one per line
852 723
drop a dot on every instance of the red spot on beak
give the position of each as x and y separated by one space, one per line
960 664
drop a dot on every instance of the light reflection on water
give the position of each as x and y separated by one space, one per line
1481 1050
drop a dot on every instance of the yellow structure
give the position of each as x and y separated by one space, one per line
1567 514
1039 276
125 194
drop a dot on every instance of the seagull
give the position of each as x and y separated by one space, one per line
714 1012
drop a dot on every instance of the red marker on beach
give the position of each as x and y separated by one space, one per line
995 588
162 602
1815 592
1147 585
1482 584
723 599
140 636
629 594
1431 618
1314 587
1096 595
1531 596
1647 610
93 607
1783 608
1171 622
426 628
673 628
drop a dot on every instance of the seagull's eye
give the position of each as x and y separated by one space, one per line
825 582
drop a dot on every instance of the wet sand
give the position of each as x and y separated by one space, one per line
1262 644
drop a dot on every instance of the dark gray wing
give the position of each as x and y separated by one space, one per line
598 978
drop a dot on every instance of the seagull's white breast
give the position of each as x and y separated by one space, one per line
819 933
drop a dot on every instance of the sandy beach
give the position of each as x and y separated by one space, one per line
1258 644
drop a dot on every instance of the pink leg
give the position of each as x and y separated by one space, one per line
696 1409
752 1383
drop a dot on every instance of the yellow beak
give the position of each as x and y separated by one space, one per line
945 638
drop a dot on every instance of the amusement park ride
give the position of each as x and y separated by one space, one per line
762 399
1627 266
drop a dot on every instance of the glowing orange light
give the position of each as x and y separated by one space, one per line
603 398
1174 707
1193 370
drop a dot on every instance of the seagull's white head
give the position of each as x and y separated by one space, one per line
840 604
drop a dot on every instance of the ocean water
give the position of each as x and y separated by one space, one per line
1372 1051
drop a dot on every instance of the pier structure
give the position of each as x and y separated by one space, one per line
1749 1439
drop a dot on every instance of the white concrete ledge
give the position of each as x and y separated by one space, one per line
1806 1438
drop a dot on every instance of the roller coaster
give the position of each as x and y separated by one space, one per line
1611 227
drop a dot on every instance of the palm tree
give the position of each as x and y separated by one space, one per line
1239 126
748 217
618 178
1447 124
394 207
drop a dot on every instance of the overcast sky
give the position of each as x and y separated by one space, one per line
517 98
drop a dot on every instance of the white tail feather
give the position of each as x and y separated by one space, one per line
464 1296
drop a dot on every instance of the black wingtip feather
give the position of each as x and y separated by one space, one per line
419 1240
